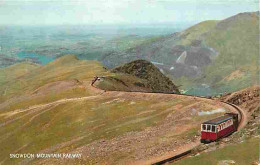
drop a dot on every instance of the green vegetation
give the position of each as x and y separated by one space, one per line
195 32
238 45
15 71
63 69
102 117
123 82
215 49
68 125
37 114
243 154
50 97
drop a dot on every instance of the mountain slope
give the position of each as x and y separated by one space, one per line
67 70
237 41
202 57
193 34
54 109
68 76
15 71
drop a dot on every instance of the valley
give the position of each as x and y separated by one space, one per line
97 118
129 95
202 59
67 115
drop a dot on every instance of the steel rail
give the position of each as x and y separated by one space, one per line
188 152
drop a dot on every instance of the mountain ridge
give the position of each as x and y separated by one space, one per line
219 47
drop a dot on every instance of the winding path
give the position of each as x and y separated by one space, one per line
159 160
40 106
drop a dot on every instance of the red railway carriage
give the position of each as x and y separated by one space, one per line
219 127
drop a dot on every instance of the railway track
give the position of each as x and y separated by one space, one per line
242 123
185 154
239 110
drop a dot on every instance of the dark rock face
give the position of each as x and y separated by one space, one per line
198 57
187 61
195 58
167 49
184 70
146 70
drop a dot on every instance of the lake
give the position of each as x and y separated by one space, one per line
42 59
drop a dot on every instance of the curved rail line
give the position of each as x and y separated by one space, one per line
176 157
188 152
242 117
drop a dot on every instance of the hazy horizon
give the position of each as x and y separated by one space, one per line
121 13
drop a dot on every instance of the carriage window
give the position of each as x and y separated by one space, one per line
213 128
208 127
203 127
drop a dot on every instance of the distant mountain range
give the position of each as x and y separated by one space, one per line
209 58
53 108
220 55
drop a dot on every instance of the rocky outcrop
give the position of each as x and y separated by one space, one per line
156 80
248 98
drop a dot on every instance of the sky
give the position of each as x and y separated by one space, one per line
99 12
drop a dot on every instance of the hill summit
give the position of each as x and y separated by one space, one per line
143 69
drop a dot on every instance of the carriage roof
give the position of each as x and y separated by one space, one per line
218 120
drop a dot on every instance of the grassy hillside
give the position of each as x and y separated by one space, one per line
15 71
65 70
66 77
242 154
53 109
123 82
237 41
194 33
112 118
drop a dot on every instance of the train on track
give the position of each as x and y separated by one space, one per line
219 127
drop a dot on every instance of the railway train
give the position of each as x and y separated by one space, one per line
219 127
